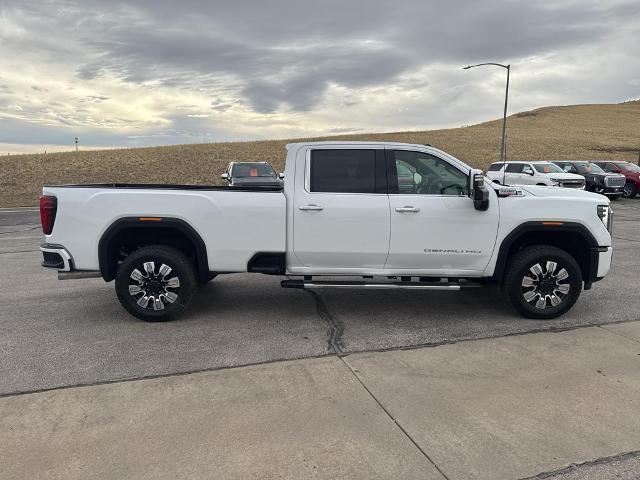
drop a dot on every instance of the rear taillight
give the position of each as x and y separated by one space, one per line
48 207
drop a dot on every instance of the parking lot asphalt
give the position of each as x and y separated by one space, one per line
66 333
559 405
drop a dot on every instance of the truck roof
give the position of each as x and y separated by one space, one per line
354 142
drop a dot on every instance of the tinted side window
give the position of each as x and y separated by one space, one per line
494 167
343 171
514 168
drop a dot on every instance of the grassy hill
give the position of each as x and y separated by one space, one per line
570 132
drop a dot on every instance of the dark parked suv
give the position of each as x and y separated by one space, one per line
630 171
597 180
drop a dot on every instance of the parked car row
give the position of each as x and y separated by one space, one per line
610 178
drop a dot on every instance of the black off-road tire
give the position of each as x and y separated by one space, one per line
630 190
155 285
523 265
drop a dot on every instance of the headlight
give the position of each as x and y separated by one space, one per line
605 214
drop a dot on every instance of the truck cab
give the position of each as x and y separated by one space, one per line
387 210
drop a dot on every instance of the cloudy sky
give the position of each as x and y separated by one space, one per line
155 72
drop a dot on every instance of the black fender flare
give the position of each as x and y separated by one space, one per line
108 271
539 226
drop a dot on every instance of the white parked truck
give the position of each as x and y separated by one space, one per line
350 215
534 173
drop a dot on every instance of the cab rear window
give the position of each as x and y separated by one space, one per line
343 171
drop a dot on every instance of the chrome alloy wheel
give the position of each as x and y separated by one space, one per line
154 290
545 288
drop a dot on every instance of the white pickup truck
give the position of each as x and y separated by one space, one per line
350 215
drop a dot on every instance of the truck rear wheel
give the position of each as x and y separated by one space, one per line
543 282
155 283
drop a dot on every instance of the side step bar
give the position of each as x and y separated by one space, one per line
311 285
78 274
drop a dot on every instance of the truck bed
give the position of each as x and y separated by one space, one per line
235 223
164 186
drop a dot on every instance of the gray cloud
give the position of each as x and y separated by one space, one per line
288 53
285 57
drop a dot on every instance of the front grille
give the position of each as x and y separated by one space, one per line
572 183
614 182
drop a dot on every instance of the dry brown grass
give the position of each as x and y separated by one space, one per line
571 132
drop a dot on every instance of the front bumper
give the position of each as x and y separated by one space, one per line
570 184
600 265
609 191
56 256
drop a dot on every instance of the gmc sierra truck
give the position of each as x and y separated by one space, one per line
350 215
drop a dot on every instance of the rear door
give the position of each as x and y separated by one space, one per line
341 216
434 225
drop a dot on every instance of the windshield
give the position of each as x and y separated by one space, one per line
242 170
547 168
628 166
588 168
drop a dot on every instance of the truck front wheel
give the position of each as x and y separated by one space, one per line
155 283
630 189
543 282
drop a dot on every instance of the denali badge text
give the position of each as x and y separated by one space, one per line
452 250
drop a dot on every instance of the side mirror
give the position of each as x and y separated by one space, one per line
225 176
477 191
567 168
530 172
281 175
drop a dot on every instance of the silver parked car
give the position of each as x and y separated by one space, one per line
250 174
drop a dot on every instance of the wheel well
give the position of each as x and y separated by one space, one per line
573 239
129 234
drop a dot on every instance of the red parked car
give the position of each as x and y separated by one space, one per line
629 170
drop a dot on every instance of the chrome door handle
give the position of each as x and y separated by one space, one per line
312 206
407 209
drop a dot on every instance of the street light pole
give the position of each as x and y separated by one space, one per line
504 116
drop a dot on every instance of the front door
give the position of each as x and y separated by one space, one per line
434 225
341 216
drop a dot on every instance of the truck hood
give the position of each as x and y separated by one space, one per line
256 181
540 191
601 175
565 176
